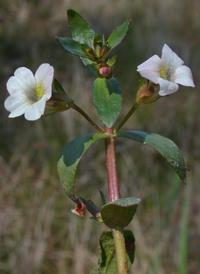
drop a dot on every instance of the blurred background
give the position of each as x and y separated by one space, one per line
39 234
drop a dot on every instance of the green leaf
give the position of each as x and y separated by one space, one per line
107 260
80 29
120 212
167 148
69 159
118 35
97 39
107 99
90 65
72 46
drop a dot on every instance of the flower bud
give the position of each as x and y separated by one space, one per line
89 51
112 61
105 49
148 93
92 53
105 71
98 50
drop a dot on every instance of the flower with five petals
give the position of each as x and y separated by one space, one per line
29 93
167 71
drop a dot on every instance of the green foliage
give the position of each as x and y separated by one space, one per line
80 29
120 212
69 159
29 179
107 99
72 46
107 260
90 65
167 148
118 35
87 44
97 40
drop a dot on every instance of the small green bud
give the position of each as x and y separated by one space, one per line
112 61
98 50
92 53
105 49
89 51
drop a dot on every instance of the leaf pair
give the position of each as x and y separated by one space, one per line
86 44
72 153
84 37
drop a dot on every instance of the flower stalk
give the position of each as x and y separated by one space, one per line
98 128
128 115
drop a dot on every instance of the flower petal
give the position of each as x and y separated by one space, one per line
23 81
44 76
16 105
183 76
150 69
35 111
170 59
166 87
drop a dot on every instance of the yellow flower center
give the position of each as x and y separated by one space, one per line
163 72
39 90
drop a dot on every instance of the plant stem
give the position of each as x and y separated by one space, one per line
99 129
113 188
128 115
111 163
120 251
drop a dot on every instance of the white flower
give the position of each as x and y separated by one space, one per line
168 71
29 93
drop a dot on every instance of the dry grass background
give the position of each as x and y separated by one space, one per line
38 232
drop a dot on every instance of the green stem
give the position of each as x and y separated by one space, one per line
128 115
120 251
99 129
114 194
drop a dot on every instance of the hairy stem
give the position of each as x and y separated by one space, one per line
113 188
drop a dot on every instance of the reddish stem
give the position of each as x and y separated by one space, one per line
113 188
111 163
